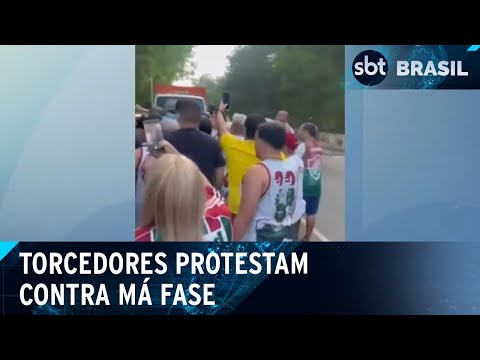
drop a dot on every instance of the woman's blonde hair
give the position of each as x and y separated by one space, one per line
175 199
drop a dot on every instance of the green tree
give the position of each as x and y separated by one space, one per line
214 87
310 84
250 78
162 63
305 80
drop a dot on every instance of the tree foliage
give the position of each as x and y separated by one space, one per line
162 63
305 80
214 87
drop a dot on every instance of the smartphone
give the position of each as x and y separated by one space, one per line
153 133
226 99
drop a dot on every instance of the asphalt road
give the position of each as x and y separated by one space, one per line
330 220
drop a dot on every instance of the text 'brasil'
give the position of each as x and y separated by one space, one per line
370 68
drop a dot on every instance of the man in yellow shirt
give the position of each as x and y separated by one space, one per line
240 154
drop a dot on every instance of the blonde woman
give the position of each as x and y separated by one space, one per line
174 200
180 204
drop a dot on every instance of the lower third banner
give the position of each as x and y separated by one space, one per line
239 278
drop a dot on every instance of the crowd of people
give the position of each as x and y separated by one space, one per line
213 178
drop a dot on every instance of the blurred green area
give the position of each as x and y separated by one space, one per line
305 80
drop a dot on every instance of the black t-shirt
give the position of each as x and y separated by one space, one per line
201 148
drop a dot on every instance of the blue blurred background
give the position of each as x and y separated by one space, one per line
66 138
412 164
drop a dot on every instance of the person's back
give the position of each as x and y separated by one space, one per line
241 156
205 125
312 179
269 190
169 125
201 148
313 161
300 203
274 216
237 127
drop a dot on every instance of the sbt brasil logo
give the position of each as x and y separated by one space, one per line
370 68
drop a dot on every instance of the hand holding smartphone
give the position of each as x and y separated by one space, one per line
154 135
226 99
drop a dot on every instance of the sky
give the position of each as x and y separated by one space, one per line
209 59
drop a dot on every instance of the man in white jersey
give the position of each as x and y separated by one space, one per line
269 190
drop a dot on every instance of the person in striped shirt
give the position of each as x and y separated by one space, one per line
312 176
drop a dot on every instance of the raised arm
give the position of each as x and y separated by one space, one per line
221 121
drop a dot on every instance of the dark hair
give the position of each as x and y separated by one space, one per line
252 123
188 110
141 119
205 124
212 109
153 116
156 112
139 122
311 129
273 134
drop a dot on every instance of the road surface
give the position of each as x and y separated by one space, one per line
330 220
